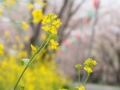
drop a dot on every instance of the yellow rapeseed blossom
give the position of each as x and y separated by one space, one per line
1 47
17 38
30 7
26 38
3 6
46 28
8 5
88 69
14 46
57 23
25 26
81 88
21 46
47 56
0 12
44 4
53 30
54 44
52 55
7 33
51 23
49 47
10 1
89 62
49 18
33 48
78 66
39 2
62 89
43 36
37 16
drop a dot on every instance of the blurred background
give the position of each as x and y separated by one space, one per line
90 29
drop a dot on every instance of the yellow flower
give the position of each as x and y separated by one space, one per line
33 48
3 6
25 26
54 44
14 46
1 47
48 18
30 7
81 88
47 56
44 4
8 6
39 2
53 30
51 23
26 38
88 69
7 33
49 47
17 38
43 36
57 23
21 46
12 1
0 12
52 55
37 16
89 62
46 28
94 62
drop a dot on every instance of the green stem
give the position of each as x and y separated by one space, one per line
31 59
39 52
86 79
79 76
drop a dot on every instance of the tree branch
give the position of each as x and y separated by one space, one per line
77 7
63 8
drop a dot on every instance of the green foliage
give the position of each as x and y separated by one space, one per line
26 61
10 87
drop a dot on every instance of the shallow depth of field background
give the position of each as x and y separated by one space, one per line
55 69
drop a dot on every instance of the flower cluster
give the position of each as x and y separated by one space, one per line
30 7
78 66
10 71
51 23
0 12
33 48
8 3
81 88
25 26
89 63
1 49
88 69
37 16
51 27
54 44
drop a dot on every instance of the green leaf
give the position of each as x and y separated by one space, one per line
23 87
10 87
53 37
76 88
26 61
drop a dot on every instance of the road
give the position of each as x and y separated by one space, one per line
98 87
